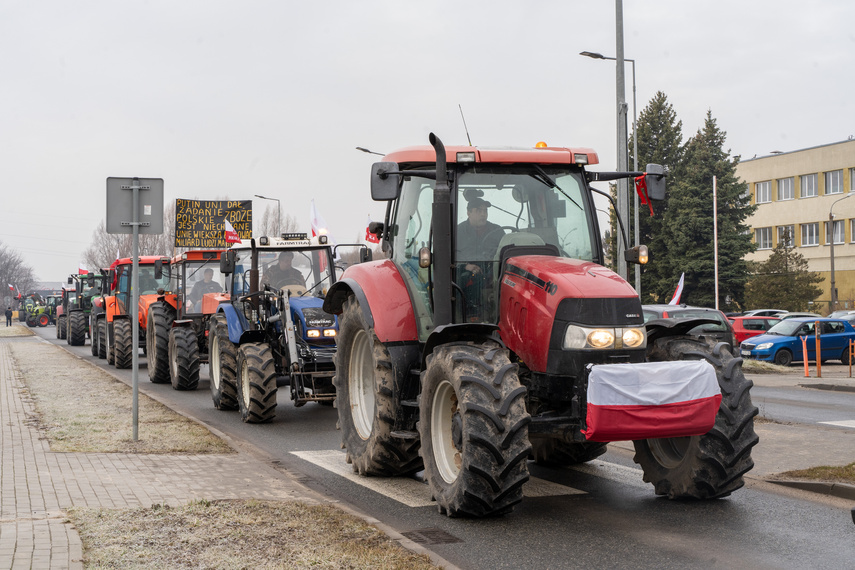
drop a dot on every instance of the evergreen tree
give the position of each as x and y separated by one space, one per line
660 141
687 226
783 281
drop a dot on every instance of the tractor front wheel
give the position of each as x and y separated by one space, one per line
256 383
43 320
365 399
711 465
473 425
222 364
183 358
123 343
159 322
77 328
60 327
101 333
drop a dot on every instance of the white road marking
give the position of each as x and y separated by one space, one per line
409 491
842 423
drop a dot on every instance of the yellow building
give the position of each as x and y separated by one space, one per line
797 191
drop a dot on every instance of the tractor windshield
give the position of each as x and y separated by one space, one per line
496 206
196 278
301 272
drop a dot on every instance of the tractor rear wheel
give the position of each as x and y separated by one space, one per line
77 328
101 326
60 327
365 399
183 358
553 451
473 425
256 383
93 337
711 465
159 322
123 343
223 363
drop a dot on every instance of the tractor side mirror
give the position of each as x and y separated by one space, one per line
384 186
90 280
655 180
158 269
365 255
70 280
227 262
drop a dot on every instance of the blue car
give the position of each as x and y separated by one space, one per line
782 343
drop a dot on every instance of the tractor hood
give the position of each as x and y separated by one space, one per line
562 277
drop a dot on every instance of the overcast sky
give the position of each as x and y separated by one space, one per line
231 99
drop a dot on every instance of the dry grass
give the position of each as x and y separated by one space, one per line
237 534
81 408
842 474
760 367
17 329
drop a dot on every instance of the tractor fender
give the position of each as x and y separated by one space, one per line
463 332
182 323
383 299
238 326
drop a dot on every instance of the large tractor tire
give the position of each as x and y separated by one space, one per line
160 318
77 328
61 332
43 320
101 333
256 383
364 384
93 337
473 425
711 465
552 451
31 321
123 343
183 358
222 364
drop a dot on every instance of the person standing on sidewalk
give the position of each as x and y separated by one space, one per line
8 316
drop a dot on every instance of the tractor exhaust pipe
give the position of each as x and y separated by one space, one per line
441 241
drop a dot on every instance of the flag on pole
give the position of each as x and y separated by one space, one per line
370 237
231 235
81 269
319 225
675 300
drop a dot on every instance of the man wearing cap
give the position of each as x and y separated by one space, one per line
477 242
206 285
282 274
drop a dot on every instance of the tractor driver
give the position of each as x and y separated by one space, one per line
477 242
282 274
206 285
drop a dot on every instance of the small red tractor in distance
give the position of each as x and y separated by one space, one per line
198 285
480 344
114 324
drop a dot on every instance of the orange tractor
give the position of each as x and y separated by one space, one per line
492 335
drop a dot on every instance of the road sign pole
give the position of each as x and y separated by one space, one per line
135 307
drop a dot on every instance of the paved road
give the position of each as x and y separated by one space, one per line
601 514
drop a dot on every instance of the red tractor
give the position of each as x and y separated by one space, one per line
114 326
493 335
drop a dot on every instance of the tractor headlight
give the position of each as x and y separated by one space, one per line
313 333
576 337
329 332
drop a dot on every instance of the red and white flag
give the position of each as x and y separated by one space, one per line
81 269
319 225
675 300
231 235
651 400
12 288
370 237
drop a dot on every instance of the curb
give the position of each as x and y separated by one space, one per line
840 490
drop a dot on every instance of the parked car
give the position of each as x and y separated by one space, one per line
764 312
800 315
747 327
782 344
720 331
842 314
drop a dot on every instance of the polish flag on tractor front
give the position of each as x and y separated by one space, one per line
231 235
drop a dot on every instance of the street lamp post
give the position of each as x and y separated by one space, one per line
278 212
636 234
831 250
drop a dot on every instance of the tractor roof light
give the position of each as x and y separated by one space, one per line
294 236
264 240
541 144
323 239
466 156
581 159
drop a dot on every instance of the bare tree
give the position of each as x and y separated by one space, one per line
106 248
268 226
14 271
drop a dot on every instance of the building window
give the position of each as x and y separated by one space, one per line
838 232
763 237
810 234
852 230
786 235
808 186
852 179
785 189
762 192
834 182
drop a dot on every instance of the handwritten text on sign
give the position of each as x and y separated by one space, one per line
201 223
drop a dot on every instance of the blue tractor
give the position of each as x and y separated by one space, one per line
274 326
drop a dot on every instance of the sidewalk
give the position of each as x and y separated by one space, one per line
36 485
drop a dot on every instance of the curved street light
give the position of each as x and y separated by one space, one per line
278 212
831 251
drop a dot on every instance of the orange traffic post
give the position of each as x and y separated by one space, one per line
851 345
804 355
